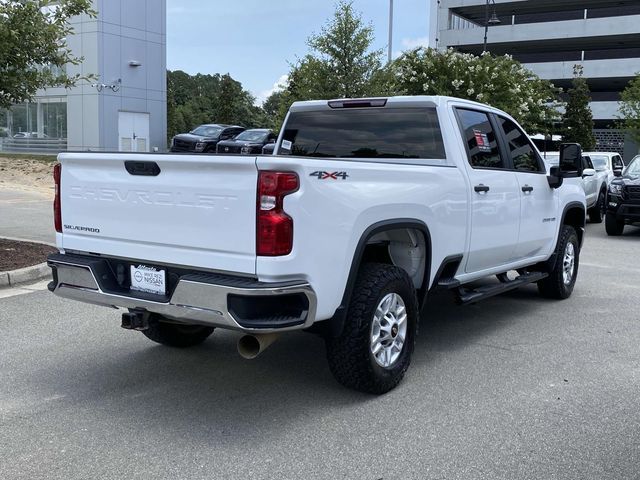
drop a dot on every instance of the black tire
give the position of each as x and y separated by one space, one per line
596 214
613 226
176 335
350 358
555 286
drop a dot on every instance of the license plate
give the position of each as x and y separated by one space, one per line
148 279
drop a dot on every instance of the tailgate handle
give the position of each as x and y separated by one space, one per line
147 169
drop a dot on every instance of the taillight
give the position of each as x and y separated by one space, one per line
57 210
274 236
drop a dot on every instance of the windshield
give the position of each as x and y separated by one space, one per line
252 136
633 170
207 131
599 162
364 133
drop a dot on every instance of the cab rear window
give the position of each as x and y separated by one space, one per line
388 133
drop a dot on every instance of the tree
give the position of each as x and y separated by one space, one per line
577 121
194 100
342 51
232 103
272 107
340 64
499 81
630 109
33 48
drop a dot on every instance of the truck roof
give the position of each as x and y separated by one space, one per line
396 101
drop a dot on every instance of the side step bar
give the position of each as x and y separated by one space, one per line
467 296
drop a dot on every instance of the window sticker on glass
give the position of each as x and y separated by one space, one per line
482 141
286 144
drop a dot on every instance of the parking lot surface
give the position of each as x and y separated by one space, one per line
26 215
514 387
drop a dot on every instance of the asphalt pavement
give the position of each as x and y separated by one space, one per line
26 215
517 387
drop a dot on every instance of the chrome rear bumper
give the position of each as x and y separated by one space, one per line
197 298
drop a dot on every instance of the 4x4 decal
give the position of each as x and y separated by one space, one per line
330 175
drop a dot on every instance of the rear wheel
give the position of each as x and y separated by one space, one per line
561 280
374 350
176 335
596 214
613 226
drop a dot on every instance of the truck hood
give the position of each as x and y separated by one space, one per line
190 137
239 143
627 180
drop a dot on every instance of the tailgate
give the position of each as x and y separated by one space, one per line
199 211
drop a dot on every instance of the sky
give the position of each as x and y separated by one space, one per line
256 40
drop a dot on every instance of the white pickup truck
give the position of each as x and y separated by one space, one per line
596 176
365 207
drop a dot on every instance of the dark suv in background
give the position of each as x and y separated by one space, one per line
204 138
623 203
249 142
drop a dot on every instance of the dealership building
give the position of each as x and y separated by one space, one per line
123 108
551 36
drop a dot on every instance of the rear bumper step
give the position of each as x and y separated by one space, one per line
197 298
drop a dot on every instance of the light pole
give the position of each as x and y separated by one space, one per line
390 30
494 20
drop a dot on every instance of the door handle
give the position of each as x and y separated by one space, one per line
146 169
527 189
481 188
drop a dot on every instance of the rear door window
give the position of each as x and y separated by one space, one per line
524 156
387 133
480 137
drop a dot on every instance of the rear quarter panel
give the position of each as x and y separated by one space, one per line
331 215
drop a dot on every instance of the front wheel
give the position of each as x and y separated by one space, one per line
374 350
561 280
613 226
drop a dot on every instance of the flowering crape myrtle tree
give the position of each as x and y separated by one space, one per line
499 81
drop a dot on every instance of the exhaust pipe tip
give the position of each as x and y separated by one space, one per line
250 346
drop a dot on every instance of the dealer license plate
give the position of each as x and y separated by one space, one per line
148 279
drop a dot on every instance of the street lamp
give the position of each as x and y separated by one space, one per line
493 20
390 29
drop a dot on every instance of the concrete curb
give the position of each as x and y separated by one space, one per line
25 275
19 239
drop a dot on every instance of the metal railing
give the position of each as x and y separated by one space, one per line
35 145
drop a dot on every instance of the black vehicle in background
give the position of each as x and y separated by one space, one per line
204 138
268 149
623 203
249 142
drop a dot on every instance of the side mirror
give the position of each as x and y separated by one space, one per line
555 177
571 160
588 172
617 172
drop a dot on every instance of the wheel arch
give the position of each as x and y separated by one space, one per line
337 321
575 215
